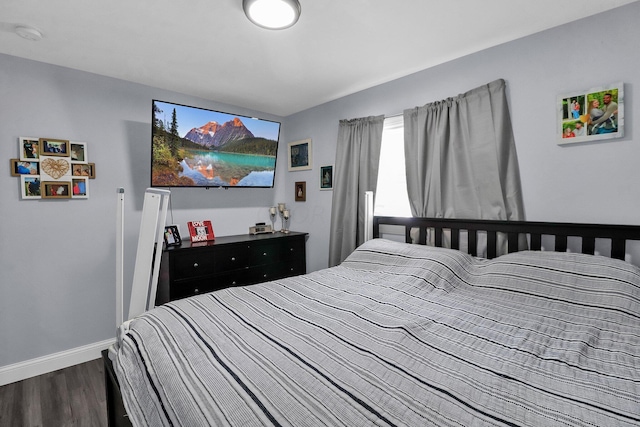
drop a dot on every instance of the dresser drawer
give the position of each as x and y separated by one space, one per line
294 268
264 253
264 273
233 278
278 270
189 288
203 285
293 249
193 264
234 257
277 250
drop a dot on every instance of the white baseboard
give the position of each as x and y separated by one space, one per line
52 362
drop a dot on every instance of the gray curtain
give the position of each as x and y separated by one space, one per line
461 158
356 171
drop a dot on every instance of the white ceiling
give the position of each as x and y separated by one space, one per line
209 49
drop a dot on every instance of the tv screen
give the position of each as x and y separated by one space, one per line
196 147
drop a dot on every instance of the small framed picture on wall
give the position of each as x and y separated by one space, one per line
79 152
301 191
299 155
84 169
21 167
56 190
30 187
326 177
80 189
28 148
53 147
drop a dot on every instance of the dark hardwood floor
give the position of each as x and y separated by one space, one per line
72 396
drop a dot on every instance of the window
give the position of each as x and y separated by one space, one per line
391 198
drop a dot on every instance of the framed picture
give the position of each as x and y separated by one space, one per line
30 187
200 231
53 147
52 168
326 177
28 148
172 236
299 155
80 189
24 167
591 115
78 152
301 191
56 189
84 169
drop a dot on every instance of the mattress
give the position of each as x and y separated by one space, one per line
400 335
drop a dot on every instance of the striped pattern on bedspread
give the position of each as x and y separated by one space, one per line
398 335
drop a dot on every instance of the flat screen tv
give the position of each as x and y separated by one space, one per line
196 147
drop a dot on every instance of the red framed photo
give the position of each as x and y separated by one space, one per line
200 231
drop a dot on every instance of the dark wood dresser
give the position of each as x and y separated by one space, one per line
196 268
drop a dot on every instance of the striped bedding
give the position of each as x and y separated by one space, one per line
398 335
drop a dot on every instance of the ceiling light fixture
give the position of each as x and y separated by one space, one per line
272 14
28 33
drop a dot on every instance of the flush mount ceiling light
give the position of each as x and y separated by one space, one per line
28 33
272 14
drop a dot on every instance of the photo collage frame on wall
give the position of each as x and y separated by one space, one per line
52 169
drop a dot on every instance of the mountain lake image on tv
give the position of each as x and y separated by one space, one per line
196 147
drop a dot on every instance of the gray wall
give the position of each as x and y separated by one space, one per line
57 259
588 182
57 290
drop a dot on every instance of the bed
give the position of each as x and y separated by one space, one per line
403 334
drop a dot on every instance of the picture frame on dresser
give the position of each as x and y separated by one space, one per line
200 231
172 236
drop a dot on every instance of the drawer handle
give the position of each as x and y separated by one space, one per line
195 265
264 254
264 275
233 258
196 290
233 283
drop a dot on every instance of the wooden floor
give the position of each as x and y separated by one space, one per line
72 396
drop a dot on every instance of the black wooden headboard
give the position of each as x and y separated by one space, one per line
617 234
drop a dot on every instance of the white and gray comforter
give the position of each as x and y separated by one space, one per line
398 335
